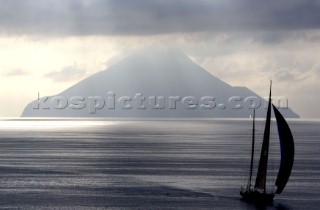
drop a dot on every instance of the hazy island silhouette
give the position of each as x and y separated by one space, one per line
152 83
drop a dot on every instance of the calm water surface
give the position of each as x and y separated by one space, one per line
65 164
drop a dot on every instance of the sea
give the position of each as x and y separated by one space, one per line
148 164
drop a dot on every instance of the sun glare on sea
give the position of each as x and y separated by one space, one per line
50 124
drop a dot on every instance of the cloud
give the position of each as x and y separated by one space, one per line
284 75
68 73
144 17
16 72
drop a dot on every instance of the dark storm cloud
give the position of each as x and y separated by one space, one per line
144 17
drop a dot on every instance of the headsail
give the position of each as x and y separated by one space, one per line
287 151
252 150
263 164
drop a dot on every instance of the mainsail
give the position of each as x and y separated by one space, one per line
263 164
287 151
252 150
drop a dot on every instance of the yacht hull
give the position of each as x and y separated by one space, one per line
257 197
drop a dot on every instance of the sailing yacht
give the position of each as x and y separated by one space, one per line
258 192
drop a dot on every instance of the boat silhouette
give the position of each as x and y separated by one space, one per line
258 192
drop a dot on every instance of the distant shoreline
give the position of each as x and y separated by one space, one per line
142 119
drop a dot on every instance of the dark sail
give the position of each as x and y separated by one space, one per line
252 150
287 151
263 164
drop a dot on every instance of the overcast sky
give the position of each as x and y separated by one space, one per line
46 46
